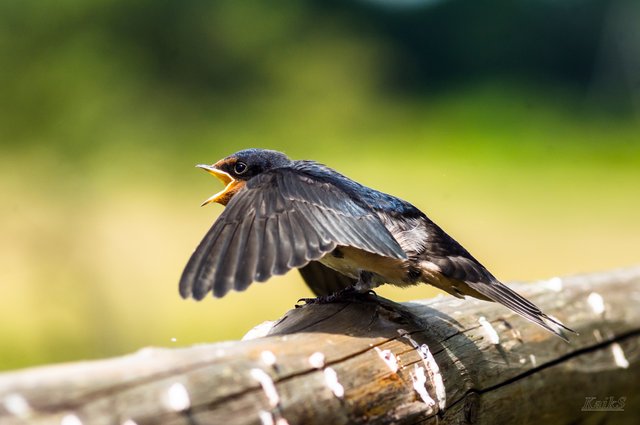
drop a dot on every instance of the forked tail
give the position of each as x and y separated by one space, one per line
506 296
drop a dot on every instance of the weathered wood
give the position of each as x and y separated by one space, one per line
435 361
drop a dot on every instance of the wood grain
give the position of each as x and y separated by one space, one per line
369 360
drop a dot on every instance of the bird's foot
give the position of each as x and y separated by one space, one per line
307 301
347 294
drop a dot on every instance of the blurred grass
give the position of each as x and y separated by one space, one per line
93 246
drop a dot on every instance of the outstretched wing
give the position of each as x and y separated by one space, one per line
280 220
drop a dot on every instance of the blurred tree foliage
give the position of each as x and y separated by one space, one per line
101 63
457 41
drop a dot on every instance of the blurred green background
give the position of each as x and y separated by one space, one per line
515 124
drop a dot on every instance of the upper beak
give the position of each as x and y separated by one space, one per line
224 178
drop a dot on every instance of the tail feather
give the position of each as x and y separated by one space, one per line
504 295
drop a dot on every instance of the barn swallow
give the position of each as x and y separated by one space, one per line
282 214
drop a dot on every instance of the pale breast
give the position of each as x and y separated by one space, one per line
350 261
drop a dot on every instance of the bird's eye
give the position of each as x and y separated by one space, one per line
240 167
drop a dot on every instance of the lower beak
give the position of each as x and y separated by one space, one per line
225 178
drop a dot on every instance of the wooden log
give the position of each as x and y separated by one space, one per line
442 360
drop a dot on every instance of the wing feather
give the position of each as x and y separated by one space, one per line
193 266
245 274
246 271
325 242
232 259
283 246
209 262
300 249
268 252
266 258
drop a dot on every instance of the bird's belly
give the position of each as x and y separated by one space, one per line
351 261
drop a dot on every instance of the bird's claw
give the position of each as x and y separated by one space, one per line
306 301
349 293
323 299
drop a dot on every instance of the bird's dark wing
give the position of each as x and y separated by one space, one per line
281 219
456 263
323 280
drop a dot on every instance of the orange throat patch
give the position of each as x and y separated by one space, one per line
224 197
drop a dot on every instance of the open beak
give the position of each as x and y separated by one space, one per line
225 178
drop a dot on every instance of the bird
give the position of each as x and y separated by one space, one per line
282 214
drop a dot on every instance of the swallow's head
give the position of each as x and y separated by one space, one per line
235 170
